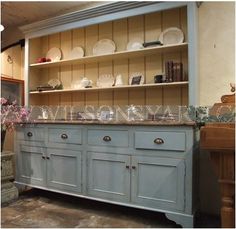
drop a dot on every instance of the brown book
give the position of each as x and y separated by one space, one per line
167 70
170 70
175 66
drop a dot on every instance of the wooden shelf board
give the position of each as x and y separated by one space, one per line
182 83
114 56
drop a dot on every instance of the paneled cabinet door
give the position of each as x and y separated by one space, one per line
64 170
108 176
158 182
31 166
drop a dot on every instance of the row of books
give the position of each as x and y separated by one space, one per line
174 71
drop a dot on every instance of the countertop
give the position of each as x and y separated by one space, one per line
114 122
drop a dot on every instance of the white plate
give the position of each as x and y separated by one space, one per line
171 35
76 52
105 81
134 45
54 82
104 46
54 54
136 75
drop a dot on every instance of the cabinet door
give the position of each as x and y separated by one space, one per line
158 182
109 176
64 170
31 166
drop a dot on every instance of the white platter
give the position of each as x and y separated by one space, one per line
54 54
105 81
76 52
54 82
104 46
172 35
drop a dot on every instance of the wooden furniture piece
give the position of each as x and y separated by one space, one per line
219 140
141 166
8 190
121 22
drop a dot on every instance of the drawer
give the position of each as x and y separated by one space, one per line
159 140
30 134
117 138
64 135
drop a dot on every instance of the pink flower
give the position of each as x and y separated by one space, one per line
3 101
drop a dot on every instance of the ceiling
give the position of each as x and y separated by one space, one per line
16 14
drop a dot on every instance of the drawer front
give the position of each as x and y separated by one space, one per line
117 138
63 135
30 134
160 140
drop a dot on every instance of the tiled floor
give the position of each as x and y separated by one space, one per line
42 209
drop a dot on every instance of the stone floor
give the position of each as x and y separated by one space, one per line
42 209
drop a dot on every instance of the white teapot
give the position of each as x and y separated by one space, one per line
85 82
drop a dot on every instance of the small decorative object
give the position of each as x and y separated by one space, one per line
85 82
158 78
41 60
136 79
45 87
54 54
172 35
11 114
77 52
105 81
55 83
104 46
119 80
151 43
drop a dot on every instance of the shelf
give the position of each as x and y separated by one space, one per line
173 84
114 56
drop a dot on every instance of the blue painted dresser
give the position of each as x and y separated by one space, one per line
141 166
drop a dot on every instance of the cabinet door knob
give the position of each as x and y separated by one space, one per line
133 167
48 158
29 134
43 157
64 136
107 138
159 141
127 166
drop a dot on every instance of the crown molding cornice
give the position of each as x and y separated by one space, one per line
77 16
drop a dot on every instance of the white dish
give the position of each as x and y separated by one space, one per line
54 83
104 46
171 35
76 52
134 45
105 81
139 79
54 54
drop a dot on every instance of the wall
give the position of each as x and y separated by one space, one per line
216 50
216 71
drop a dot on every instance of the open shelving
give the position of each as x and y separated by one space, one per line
115 56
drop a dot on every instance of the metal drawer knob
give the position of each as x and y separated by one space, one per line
159 141
64 136
107 138
29 134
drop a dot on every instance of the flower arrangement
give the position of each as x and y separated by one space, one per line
11 114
